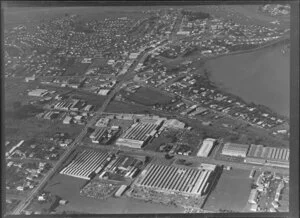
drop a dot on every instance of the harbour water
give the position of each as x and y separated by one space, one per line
262 77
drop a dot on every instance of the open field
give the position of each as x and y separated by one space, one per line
68 188
121 107
77 69
22 117
231 192
16 90
157 142
261 77
147 96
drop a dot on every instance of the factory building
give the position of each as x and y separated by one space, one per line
121 190
206 147
171 179
14 148
102 122
88 107
278 191
253 196
51 115
38 92
234 149
67 105
128 165
67 120
174 124
98 134
87 163
259 154
138 134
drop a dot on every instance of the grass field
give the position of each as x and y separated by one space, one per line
157 142
77 69
231 192
121 107
16 90
149 97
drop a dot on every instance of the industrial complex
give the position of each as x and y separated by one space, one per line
171 179
139 133
259 154
234 149
86 164
140 110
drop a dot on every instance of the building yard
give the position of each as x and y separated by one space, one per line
90 98
231 193
176 141
69 188
165 138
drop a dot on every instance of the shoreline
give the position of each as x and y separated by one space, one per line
224 88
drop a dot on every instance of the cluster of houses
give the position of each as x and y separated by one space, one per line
263 188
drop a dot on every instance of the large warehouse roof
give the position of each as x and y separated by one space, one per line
234 149
171 178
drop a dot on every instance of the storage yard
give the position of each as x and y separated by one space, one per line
98 189
125 166
69 188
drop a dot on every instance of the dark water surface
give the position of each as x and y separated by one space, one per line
262 77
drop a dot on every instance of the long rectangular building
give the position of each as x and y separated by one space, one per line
138 134
97 135
268 155
234 149
206 147
188 181
85 164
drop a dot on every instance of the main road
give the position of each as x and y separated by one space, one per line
161 155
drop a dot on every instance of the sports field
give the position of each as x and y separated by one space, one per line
149 97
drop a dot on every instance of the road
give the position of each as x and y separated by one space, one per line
244 166
121 81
